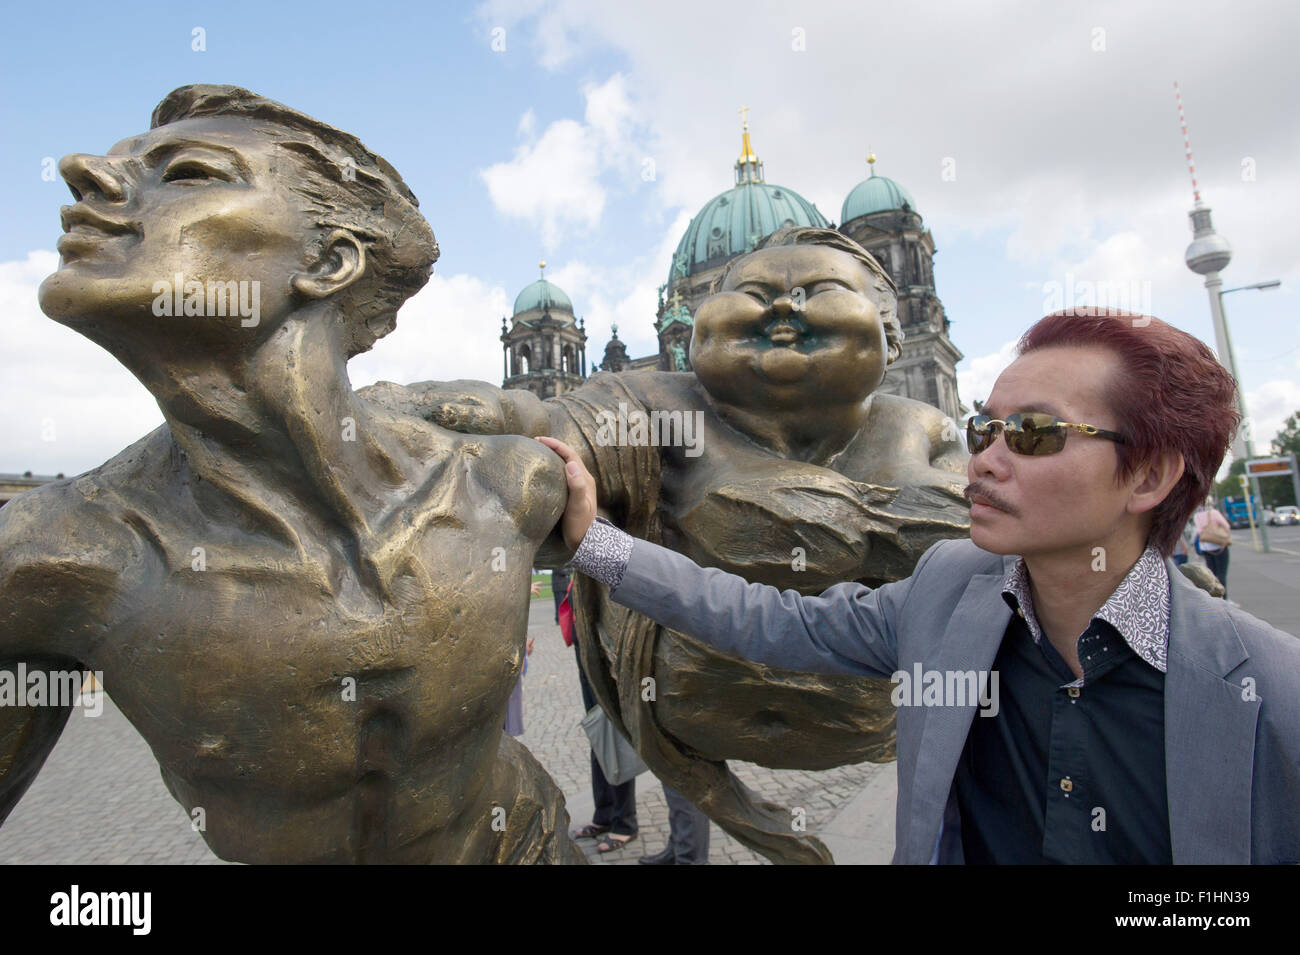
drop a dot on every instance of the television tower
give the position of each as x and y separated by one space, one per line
1208 255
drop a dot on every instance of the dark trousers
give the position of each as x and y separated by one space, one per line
559 584
689 839
615 805
1217 561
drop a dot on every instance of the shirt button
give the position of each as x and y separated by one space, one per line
1067 785
1074 692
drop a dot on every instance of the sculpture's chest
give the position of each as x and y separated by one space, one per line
243 661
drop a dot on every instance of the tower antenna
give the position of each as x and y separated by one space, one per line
1187 145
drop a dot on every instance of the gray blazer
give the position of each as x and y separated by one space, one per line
1232 689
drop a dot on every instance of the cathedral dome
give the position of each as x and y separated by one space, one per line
733 222
542 294
875 194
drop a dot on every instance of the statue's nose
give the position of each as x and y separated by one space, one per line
92 175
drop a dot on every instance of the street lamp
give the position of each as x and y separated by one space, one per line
1241 399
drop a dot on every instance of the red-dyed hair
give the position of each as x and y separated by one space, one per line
1169 394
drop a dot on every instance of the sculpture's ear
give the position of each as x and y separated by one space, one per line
341 261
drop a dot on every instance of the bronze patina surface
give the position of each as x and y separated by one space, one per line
806 476
311 606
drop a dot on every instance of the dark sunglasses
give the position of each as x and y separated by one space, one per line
1033 433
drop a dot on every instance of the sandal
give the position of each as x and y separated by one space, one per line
613 842
590 831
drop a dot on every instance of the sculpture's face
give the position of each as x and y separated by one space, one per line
1057 502
793 326
201 199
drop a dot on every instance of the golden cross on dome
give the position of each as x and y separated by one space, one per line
744 116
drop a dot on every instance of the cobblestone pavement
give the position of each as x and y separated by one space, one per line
101 799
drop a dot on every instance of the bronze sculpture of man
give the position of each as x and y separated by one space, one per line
806 476
313 608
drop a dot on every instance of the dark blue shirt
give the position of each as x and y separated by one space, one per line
1067 774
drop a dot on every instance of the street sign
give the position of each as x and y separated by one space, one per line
1271 467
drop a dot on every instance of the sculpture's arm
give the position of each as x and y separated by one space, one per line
27 735
478 407
947 444
465 405
39 606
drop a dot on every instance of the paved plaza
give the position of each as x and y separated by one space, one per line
100 798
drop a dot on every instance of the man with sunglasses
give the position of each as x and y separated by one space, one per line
1123 715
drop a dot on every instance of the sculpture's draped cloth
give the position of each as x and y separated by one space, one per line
707 706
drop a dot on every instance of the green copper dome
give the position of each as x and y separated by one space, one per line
876 194
542 294
733 222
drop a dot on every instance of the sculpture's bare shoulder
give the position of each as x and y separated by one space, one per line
69 548
918 424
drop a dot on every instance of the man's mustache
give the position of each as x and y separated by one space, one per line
971 490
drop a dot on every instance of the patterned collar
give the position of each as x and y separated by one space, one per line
1138 609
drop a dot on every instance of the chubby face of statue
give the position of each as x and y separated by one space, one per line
793 326
197 204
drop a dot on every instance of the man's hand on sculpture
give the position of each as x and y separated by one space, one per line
580 511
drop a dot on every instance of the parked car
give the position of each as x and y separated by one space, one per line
1287 514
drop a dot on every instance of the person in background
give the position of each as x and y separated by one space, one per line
515 705
1181 548
559 587
688 839
1213 538
614 819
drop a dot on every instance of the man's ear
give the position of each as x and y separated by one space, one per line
341 262
1156 479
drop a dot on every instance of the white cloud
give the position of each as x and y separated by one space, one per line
551 39
556 182
1123 270
527 125
1269 406
976 380
450 329
69 405
625 295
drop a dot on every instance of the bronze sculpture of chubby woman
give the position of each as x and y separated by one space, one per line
805 476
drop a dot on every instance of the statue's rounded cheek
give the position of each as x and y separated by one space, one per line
845 312
728 313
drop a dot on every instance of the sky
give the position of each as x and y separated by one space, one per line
1040 141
